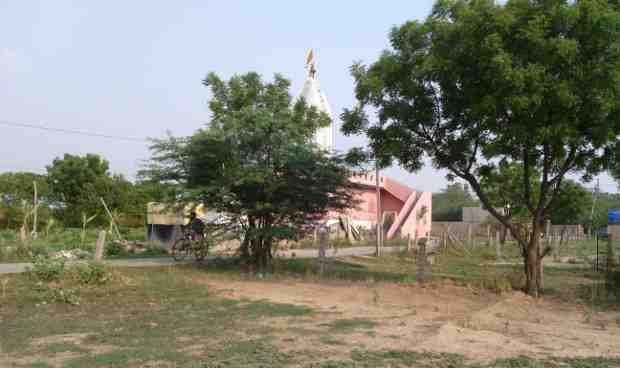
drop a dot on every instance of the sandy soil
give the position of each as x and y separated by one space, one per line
438 318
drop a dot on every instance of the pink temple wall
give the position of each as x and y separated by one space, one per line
366 209
423 224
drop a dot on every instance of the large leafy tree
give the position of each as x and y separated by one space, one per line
17 197
572 205
256 164
16 187
480 83
504 187
77 184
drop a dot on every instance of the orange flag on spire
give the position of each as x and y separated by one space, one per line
310 57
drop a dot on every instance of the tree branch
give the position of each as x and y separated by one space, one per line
526 181
544 183
472 159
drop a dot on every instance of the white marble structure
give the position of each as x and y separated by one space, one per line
311 93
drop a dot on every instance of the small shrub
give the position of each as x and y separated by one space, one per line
47 269
114 249
612 282
63 295
340 243
154 250
516 279
488 254
500 283
91 273
5 252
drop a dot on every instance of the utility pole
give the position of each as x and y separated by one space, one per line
379 212
594 197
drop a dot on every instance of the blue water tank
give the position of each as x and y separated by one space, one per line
613 216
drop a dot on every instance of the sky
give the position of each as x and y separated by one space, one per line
134 68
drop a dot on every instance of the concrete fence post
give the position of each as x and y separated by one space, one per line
100 246
421 262
498 246
611 260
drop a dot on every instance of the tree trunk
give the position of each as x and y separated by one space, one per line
261 253
533 262
503 235
245 249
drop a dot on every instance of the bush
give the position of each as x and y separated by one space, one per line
63 295
47 269
57 283
91 273
612 282
114 249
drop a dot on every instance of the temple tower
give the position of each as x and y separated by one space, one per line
311 93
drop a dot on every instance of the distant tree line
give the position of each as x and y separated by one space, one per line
575 204
72 187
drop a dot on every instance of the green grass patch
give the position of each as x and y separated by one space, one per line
153 314
124 358
349 325
331 340
267 309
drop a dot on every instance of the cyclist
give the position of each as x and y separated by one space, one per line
197 226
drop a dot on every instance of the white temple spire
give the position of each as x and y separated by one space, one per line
311 93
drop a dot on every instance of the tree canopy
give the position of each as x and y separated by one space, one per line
77 184
19 186
481 84
256 163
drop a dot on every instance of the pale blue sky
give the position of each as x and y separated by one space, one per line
134 68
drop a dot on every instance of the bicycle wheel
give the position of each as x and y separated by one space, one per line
181 249
201 249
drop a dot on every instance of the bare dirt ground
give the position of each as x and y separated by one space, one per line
437 318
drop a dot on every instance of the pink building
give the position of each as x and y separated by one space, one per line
409 209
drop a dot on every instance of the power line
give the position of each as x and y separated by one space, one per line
69 131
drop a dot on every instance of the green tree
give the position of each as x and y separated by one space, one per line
572 205
255 163
74 183
77 184
603 202
19 186
481 83
17 197
448 204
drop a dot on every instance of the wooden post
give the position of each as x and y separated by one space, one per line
23 233
322 239
35 211
498 246
114 227
421 262
379 211
555 243
469 237
315 237
100 247
489 240
610 253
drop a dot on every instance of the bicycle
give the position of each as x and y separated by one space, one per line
186 246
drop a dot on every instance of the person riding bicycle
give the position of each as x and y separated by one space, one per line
196 225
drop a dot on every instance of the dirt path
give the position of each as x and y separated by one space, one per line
6 268
441 318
